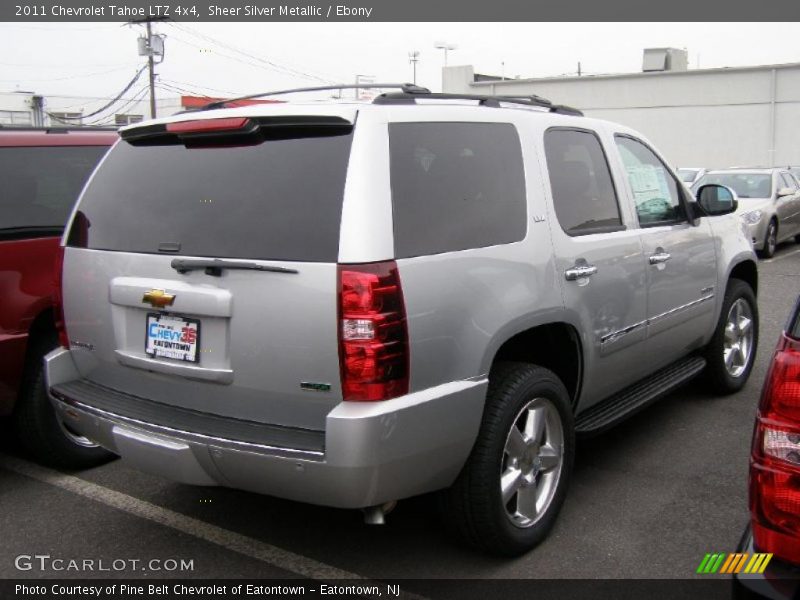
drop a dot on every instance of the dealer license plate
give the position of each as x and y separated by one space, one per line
168 336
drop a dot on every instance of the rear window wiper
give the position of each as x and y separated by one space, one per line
214 267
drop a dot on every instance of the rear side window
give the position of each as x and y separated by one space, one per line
39 186
583 192
456 186
280 200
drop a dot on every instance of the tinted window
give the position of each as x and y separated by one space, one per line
39 186
687 175
788 181
281 199
655 191
455 186
583 192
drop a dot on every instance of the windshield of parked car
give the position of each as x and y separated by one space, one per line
687 175
746 185
39 185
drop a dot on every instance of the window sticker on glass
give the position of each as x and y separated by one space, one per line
648 184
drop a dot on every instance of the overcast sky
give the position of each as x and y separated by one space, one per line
98 59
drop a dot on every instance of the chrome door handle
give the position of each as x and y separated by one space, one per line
577 272
659 258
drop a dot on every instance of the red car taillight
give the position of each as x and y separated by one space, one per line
58 302
373 336
775 463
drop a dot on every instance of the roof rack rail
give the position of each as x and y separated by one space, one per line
409 97
407 88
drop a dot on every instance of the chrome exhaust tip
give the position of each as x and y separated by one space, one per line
376 515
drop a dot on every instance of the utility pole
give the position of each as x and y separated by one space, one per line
150 65
579 68
413 58
151 46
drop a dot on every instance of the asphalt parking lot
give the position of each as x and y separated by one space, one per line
648 500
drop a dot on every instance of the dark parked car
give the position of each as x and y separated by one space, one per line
774 527
41 174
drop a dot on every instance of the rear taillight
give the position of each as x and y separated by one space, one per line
775 464
373 336
58 299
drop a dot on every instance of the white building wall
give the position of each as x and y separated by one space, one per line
710 118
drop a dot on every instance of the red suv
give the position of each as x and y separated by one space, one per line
42 171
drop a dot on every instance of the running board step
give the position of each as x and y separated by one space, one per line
611 411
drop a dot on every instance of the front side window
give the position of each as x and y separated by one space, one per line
583 192
788 181
456 186
655 191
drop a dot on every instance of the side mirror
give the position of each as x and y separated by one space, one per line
785 191
717 200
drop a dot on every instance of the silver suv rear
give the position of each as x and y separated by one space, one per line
350 304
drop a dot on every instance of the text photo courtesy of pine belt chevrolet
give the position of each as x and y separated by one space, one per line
42 172
352 303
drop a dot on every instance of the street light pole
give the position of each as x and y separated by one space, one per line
444 46
413 58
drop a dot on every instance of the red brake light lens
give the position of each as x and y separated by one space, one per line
775 463
781 399
209 125
373 336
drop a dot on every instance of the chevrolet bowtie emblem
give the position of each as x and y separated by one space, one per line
158 298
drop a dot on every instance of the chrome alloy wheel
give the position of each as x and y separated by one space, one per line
772 239
738 343
532 462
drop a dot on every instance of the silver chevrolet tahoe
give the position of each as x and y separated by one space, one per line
348 304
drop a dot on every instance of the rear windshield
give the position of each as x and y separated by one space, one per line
279 200
39 186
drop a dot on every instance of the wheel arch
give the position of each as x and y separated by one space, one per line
746 271
555 346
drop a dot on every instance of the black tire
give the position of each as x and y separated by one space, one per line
473 507
770 241
37 427
720 379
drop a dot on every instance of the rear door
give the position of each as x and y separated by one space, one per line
599 260
200 268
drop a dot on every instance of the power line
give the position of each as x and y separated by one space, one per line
181 91
198 85
68 77
285 69
114 100
108 120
